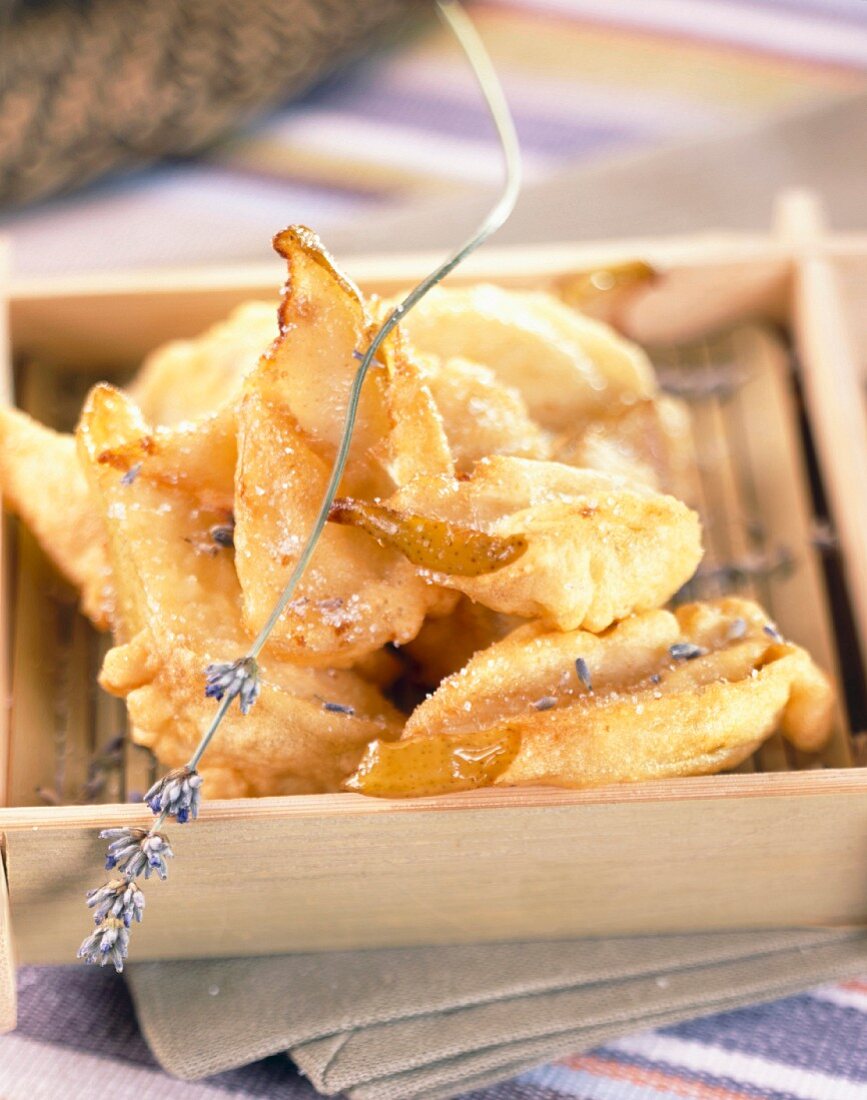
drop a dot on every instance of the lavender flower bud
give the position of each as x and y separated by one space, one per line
223 535
686 651
233 678
118 899
772 632
131 474
134 851
582 670
177 794
107 943
737 629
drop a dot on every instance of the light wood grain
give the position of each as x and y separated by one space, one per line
106 322
772 470
331 872
833 385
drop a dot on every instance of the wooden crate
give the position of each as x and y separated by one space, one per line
783 842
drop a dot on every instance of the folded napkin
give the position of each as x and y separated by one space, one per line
434 1022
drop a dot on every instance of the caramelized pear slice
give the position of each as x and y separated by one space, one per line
433 544
441 764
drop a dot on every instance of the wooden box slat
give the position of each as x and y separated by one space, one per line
324 872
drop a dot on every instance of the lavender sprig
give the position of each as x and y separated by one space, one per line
178 793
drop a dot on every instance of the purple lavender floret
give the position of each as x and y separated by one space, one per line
233 678
131 474
137 851
120 898
107 943
177 794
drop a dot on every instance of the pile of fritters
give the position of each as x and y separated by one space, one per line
506 533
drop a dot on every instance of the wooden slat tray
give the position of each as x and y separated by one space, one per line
782 842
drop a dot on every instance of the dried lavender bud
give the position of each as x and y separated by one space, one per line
686 651
109 942
233 678
737 629
338 708
583 670
655 678
773 633
223 534
119 899
131 474
177 794
134 851
545 703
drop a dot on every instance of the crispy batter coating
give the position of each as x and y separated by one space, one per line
167 572
657 695
355 597
598 547
187 379
445 643
482 416
291 743
565 366
42 481
649 441
180 608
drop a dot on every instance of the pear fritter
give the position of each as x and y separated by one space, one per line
179 607
597 547
658 695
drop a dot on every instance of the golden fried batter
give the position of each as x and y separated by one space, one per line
187 379
598 548
445 643
180 609
305 734
649 441
564 365
482 415
41 481
655 696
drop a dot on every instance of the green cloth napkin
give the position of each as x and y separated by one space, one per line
433 1022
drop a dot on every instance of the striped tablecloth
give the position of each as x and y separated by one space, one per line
78 1039
587 79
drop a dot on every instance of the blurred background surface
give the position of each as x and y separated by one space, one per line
144 134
